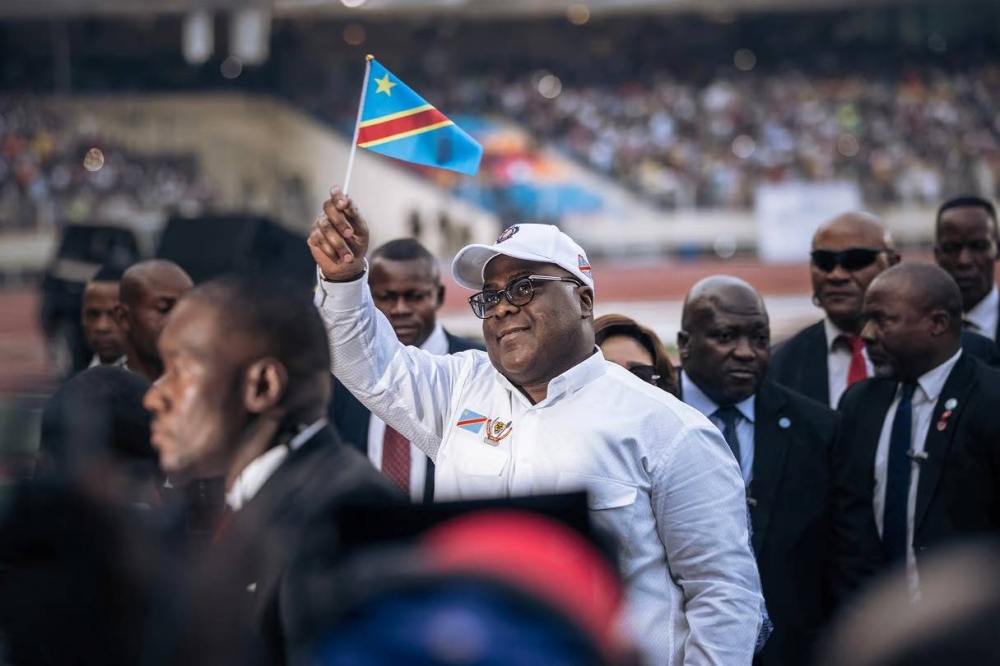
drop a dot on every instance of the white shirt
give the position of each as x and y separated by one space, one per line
695 397
256 474
838 361
983 316
436 343
929 387
661 478
118 362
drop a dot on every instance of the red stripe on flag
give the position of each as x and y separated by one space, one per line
399 125
472 421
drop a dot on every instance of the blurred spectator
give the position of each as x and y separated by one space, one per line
637 349
98 318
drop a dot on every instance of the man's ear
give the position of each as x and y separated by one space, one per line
440 297
121 316
940 322
265 385
586 301
893 257
683 338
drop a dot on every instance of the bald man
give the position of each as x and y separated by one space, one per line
809 556
822 360
149 290
926 428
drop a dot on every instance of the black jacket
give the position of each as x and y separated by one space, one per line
799 363
351 418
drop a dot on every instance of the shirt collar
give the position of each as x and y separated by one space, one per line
437 342
578 376
980 315
832 333
932 382
253 477
696 398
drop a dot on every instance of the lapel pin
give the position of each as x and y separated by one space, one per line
950 404
784 422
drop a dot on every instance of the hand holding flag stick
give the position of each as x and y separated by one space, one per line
338 239
395 121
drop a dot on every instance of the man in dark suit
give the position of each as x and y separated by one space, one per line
809 557
927 428
406 287
965 237
822 360
243 396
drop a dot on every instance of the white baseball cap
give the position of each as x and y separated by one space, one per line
542 243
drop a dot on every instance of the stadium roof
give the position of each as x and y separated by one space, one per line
470 8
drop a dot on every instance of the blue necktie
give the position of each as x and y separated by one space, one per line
729 416
897 481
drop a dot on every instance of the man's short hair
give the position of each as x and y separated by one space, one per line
276 312
108 273
968 201
403 249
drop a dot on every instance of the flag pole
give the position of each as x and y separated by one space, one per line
357 125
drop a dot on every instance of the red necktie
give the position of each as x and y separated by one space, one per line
396 459
858 369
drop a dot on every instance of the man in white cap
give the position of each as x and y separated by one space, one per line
542 411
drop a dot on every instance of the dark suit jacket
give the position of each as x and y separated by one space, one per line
799 362
351 418
959 488
292 515
808 555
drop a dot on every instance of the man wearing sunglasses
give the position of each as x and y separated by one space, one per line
966 247
822 360
810 554
543 410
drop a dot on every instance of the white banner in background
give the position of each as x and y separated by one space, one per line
788 215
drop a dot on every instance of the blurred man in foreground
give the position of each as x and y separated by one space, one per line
406 287
810 551
97 317
965 237
541 411
244 396
926 428
149 290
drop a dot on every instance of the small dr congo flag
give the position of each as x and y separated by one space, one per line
397 122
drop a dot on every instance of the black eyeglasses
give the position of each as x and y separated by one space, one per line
646 373
518 292
851 259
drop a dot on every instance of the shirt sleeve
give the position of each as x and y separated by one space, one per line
408 388
701 516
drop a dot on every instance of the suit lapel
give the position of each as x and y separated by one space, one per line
954 398
772 433
814 365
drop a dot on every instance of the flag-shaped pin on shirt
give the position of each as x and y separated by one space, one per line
397 122
471 421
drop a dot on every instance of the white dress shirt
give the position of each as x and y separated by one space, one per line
695 397
660 477
838 361
983 316
436 343
929 387
118 362
256 474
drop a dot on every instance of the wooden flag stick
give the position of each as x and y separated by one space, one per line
357 125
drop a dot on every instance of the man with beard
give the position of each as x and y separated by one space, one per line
926 428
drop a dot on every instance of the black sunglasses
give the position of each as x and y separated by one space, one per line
851 259
518 292
646 373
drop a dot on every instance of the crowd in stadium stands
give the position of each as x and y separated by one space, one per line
51 173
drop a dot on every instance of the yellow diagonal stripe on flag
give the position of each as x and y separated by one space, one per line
394 116
403 135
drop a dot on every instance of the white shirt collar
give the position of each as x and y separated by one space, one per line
256 474
568 382
695 397
932 382
832 333
437 341
983 315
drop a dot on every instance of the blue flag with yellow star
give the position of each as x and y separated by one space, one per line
397 122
